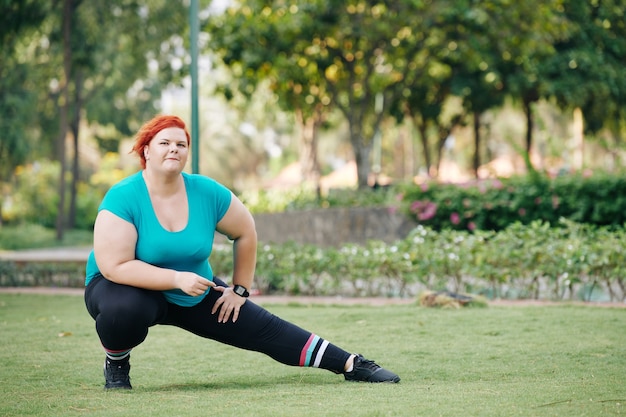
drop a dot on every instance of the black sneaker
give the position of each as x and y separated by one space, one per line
116 374
368 371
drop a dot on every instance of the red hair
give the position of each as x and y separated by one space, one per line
150 129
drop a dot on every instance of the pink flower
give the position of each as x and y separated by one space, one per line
471 226
424 187
424 210
415 206
522 211
455 218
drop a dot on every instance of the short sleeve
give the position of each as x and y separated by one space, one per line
121 200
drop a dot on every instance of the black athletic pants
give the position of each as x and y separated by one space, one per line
123 315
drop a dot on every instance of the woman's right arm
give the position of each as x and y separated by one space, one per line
114 243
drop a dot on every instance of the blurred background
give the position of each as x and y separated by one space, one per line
305 96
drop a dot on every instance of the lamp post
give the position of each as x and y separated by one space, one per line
195 125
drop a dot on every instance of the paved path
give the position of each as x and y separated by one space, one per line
78 254
319 300
260 299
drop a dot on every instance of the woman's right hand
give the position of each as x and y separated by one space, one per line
191 283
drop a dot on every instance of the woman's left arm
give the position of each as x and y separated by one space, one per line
238 225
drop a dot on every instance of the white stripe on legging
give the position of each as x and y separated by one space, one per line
320 354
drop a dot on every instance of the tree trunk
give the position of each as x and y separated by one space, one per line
443 135
63 116
309 161
530 125
362 153
400 154
530 122
421 128
75 126
476 163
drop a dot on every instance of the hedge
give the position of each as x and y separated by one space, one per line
598 199
573 261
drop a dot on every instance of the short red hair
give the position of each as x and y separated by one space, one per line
150 129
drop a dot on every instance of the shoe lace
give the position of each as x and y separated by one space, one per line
363 363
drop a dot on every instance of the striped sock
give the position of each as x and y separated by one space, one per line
313 351
117 355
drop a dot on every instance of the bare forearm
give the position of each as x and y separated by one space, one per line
244 260
142 275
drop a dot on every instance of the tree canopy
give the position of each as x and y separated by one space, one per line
70 64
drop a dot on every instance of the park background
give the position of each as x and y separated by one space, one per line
494 124
397 147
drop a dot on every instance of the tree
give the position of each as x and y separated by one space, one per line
100 74
17 21
329 53
524 38
267 41
587 71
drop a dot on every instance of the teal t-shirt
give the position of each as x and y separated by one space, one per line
185 250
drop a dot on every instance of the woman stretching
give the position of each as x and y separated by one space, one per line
152 239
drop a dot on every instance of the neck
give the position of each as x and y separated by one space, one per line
162 185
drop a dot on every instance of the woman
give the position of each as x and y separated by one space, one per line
152 239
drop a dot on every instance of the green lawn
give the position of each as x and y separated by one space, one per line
498 361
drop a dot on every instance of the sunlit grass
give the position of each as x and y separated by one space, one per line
495 361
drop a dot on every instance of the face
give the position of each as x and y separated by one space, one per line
167 151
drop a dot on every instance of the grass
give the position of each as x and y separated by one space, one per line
32 236
561 360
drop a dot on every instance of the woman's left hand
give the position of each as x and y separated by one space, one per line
228 304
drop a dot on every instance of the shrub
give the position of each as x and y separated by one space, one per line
495 204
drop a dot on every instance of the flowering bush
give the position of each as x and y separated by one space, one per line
573 261
496 204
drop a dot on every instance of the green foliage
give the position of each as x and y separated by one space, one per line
573 261
17 22
35 199
301 198
32 236
496 204
34 196
276 201
42 274
497 361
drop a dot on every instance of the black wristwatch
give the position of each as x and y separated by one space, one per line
241 291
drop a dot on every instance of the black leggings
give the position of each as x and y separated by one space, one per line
123 315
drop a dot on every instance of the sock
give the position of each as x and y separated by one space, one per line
117 355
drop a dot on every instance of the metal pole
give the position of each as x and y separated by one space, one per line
195 125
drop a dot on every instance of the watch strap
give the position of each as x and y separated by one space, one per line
241 291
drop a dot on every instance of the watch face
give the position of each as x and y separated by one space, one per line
241 290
